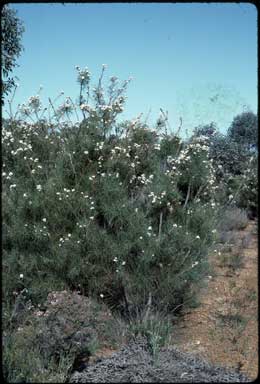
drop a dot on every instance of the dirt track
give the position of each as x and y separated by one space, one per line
224 328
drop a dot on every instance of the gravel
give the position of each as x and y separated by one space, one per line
134 364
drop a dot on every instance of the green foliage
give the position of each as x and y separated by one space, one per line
234 158
119 212
93 212
49 340
244 129
232 218
12 29
156 328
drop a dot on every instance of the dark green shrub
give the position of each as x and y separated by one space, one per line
119 210
48 340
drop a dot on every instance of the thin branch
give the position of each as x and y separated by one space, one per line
160 226
187 197
148 306
179 127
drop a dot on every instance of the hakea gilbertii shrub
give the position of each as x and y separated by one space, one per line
118 211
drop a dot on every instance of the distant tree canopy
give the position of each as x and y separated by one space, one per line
230 152
206 130
12 30
243 129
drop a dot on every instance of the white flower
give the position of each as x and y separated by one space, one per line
86 152
197 237
101 295
44 219
194 264
21 276
39 187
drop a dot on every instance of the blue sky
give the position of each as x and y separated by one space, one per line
180 55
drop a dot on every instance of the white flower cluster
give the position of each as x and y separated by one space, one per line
157 198
99 146
39 230
105 107
66 193
7 176
34 102
142 179
149 231
83 75
33 105
87 108
117 106
194 264
65 108
115 260
64 239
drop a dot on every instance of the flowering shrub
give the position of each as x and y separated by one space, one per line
118 211
235 165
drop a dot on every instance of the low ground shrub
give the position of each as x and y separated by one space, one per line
233 218
48 340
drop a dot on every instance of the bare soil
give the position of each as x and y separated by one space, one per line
224 327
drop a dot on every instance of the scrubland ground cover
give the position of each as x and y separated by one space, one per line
120 213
